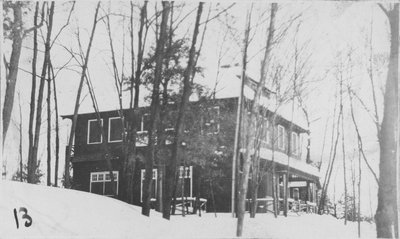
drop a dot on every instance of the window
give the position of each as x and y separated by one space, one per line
94 132
281 137
169 133
115 129
265 134
294 143
145 122
185 176
212 120
100 183
154 186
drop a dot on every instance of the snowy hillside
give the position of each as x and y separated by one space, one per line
56 213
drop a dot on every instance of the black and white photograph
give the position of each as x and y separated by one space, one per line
189 119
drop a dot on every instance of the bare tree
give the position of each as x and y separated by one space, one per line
155 110
67 182
343 149
32 160
18 33
386 214
57 153
33 89
48 124
180 125
243 183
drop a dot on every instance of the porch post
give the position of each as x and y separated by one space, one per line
285 194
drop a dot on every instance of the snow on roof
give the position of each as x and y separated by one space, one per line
228 84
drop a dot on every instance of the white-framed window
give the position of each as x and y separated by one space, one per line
154 186
281 137
115 129
185 176
267 131
100 183
94 132
294 144
145 123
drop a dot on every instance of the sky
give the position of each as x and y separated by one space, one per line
327 31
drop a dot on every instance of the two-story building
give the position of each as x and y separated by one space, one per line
206 158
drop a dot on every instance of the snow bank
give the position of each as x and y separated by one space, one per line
62 213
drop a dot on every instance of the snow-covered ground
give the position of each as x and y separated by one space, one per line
61 213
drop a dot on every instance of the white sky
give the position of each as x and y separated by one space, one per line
329 29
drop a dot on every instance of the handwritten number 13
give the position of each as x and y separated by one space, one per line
25 215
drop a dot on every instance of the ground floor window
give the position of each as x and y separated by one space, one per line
100 183
184 183
153 186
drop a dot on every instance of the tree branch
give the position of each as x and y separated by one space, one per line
37 26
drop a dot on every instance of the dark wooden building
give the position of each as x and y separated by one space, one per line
206 158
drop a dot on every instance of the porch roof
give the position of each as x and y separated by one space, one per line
296 166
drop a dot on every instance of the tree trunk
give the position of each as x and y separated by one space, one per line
155 110
359 196
239 116
251 129
32 165
33 89
57 128
130 160
11 77
329 171
67 182
48 125
21 169
179 127
386 213
161 135
343 154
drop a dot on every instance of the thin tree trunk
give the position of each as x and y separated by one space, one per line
179 127
21 169
67 182
118 85
330 167
32 165
359 196
359 139
386 213
130 160
155 110
240 112
343 154
33 89
251 130
57 153
48 124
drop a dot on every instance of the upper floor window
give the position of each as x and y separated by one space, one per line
212 120
94 132
100 183
145 122
294 143
265 132
115 129
281 137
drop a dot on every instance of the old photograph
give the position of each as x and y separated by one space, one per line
188 119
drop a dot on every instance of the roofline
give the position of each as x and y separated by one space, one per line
280 117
